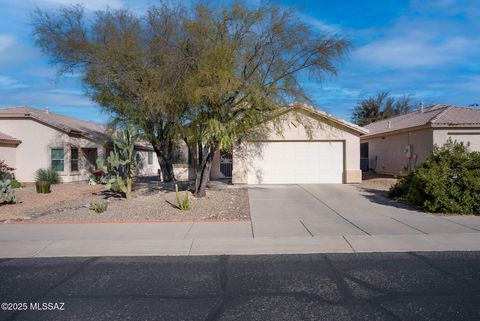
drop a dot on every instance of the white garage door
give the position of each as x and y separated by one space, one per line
295 162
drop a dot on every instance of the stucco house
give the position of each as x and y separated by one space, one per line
311 147
399 144
31 138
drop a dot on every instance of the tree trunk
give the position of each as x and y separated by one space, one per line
128 194
203 174
165 162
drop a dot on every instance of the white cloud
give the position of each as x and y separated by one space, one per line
88 4
319 24
6 42
10 83
414 50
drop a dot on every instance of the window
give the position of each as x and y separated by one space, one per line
150 158
74 159
58 162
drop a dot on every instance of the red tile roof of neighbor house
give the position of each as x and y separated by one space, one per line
72 126
436 115
4 138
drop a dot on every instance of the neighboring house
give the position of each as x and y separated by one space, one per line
31 138
400 144
329 154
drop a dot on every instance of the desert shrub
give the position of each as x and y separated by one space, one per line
99 207
447 182
184 204
16 184
6 172
47 175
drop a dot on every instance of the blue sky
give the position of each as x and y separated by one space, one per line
427 49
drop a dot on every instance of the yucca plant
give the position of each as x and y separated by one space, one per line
47 175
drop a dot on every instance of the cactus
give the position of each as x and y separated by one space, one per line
7 195
120 164
183 205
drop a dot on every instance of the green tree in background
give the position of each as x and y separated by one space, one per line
379 107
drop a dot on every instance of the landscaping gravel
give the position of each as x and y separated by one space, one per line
152 200
376 182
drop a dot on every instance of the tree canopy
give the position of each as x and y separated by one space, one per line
379 107
210 75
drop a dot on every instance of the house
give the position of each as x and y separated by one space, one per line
310 147
400 144
31 138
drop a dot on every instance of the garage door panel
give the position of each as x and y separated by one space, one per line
296 163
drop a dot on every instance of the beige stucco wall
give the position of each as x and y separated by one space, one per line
466 135
292 129
8 154
34 151
143 168
387 153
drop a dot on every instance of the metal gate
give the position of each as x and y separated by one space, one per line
226 164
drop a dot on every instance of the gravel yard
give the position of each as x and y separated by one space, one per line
152 201
376 182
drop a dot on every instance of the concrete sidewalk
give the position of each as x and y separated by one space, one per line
125 239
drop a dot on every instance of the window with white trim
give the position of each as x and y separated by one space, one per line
74 159
58 159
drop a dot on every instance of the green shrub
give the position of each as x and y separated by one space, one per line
183 205
47 175
447 182
99 207
16 184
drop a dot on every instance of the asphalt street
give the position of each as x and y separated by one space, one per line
370 286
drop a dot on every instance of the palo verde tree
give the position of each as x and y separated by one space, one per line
132 66
379 107
248 63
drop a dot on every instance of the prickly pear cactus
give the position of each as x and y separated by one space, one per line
7 195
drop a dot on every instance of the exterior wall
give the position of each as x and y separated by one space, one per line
466 135
34 151
292 128
8 154
145 169
387 153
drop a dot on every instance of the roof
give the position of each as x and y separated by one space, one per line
432 116
4 138
66 124
327 116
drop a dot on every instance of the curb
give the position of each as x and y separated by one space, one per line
134 221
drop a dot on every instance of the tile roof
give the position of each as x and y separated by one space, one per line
89 130
361 130
9 139
69 125
435 115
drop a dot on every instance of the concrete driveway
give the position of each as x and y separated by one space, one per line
331 209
